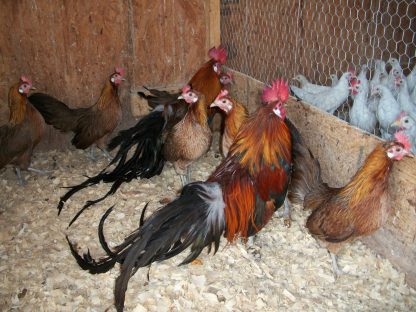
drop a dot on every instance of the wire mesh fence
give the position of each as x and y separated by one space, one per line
317 38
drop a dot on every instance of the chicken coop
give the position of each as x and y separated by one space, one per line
68 49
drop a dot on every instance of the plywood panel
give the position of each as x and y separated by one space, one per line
341 149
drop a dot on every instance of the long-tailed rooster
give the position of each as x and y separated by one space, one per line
340 215
145 140
91 125
23 132
237 200
181 141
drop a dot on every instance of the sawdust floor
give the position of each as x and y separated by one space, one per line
284 270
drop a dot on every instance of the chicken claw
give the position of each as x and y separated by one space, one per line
285 214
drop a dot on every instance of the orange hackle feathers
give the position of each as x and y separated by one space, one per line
218 54
257 168
372 173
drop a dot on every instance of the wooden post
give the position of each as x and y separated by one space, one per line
214 31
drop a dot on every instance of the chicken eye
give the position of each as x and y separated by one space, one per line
406 121
398 149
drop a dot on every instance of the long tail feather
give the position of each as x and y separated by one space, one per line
306 175
195 219
145 140
158 97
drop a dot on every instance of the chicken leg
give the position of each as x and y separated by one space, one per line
285 214
337 271
22 181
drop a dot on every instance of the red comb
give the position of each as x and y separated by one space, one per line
278 91
218 54
403 139
222 94
120 71
186 88
401 115
25 79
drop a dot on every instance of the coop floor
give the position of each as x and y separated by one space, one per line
284 270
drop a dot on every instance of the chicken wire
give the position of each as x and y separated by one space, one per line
267 38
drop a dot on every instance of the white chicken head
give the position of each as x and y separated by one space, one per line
404 121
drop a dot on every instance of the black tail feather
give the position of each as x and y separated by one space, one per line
158 97
195 219
145 138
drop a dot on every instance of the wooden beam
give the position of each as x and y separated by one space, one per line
214 31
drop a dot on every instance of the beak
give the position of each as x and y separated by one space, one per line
410 155
396 124
32 88
213 105
180 97
123 79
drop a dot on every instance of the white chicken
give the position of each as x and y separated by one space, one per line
307 86
408 125
411 79
328 100
387 111
360 115
380 74
334 79
362 77
404 99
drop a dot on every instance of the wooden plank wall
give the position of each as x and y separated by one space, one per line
341 149
68 47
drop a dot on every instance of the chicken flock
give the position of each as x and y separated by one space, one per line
382 105
266 165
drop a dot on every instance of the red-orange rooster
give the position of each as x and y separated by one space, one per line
145 140
340 215
237 200
91 125
23 132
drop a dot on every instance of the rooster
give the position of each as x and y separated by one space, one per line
206 81
340 215
237 200
236 115
146 139
178 140
23 131
90 125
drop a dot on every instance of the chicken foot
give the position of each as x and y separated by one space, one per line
337 271
103 150
285 214
22 181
